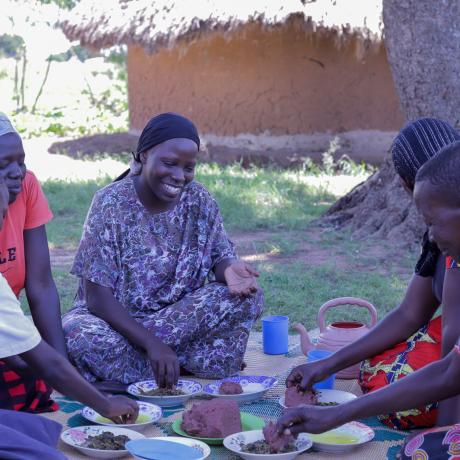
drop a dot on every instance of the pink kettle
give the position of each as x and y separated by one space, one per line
339 333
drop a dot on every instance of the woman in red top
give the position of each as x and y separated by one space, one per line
25 263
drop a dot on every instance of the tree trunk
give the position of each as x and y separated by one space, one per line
423 47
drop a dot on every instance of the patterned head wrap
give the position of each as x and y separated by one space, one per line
5 125
417 142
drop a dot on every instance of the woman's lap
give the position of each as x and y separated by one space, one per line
208 328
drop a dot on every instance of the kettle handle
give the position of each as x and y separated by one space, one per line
345 301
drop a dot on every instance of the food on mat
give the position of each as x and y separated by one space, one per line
293 397
230 388
216 418
273 443
278 442
162 392
331 437
142 418
106 441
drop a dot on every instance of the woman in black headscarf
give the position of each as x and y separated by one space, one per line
161 288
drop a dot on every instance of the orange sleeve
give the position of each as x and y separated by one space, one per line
38 211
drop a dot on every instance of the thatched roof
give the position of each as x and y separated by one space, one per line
155 24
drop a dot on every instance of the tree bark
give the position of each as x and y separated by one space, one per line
422 39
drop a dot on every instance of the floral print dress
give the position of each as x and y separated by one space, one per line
159 267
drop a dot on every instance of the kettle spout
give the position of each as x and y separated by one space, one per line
305 343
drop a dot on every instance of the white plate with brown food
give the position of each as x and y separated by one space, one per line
99 441
148 414
314 398
251 445
149 391
343 438
243 389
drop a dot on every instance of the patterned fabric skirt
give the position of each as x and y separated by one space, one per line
435 444
208 329
24 393
421 349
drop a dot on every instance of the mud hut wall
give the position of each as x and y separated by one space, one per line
284 81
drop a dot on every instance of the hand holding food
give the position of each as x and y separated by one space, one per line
121 410
165 364
308 419
241 278
306 375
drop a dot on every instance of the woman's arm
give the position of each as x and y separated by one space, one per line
435 382
102 303
416 309
56 370
40 289
449 410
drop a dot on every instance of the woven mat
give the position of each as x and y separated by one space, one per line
384 446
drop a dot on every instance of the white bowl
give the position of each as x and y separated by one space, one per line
254 387
199 445
75 437
235 441
327 396
190 387
151 411
357 430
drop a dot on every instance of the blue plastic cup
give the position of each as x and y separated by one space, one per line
315 355
275 334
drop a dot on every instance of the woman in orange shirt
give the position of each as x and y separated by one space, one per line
25 263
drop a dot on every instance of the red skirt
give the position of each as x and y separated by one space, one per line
24 393
421 349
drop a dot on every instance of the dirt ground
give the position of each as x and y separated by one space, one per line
285 151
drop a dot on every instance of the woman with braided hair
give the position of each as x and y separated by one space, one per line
407 338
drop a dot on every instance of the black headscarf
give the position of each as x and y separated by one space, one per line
415 144
162 128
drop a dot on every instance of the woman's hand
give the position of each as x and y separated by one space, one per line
308 419
241 278
164 362
306 375
121 410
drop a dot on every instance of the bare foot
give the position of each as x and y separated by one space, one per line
110 386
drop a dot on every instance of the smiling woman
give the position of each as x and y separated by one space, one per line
161 289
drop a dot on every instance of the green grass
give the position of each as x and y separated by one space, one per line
282 204
299 289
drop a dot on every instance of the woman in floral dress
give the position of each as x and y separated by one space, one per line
161 289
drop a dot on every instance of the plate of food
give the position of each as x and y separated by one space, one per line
148 414
148 391
146 448
243 389
293 398
100 442
343 438
212 420
254 445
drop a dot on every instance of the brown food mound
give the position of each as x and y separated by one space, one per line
216 418
294 398
230 388
276 442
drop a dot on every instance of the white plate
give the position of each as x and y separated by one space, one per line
326 396
254 387
151 411
190 387
357 430
75 437
201 446
234 442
